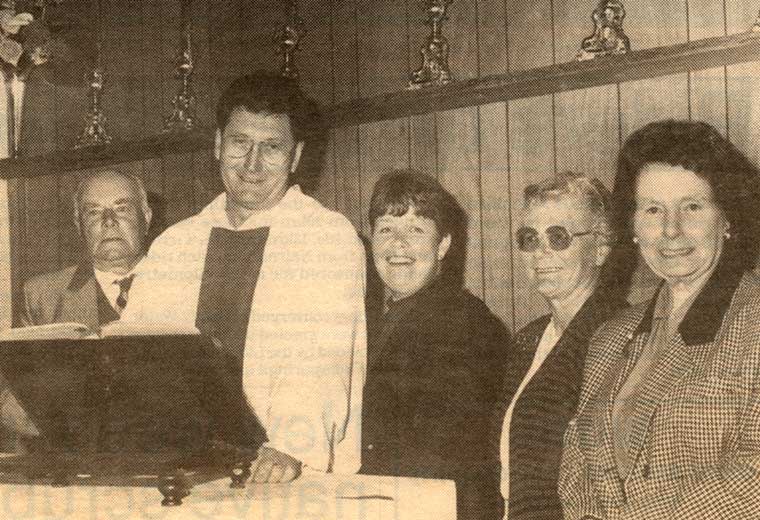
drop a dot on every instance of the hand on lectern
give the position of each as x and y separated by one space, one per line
13 417
272 466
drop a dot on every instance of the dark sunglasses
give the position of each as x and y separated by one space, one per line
558 236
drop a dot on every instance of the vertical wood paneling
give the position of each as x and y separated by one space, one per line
347 181
326 189
203 73
648 100
41 223
574 23
707 88
314 59
529 34
69 242
654 24
492 37
383 47
497 225
17 237
122 58
423 146
383 147
459 173
743 83
587 131
155 68
462 32
207 182
178 187
531 158
345 59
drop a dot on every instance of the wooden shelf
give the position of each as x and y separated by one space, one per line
61 161
649 63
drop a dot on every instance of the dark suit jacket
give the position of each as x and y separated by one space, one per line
431 385
69 295
545 407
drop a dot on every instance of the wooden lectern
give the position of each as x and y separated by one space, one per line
165 411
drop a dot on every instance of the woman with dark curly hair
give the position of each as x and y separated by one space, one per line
436 356
668 424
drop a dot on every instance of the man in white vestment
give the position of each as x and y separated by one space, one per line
275 277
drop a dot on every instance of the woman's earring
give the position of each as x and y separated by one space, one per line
635 240
727 235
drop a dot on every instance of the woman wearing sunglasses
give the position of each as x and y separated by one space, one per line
668 424
564 240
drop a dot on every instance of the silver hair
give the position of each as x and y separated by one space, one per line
591 192
138 183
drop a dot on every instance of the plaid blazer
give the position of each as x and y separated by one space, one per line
695 442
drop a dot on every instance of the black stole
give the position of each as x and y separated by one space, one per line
230 274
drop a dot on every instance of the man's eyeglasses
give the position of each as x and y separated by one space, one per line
238 148
559 238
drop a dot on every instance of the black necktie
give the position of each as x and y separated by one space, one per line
124 285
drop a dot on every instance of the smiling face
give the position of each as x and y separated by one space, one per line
112 223
257 154
407 251
563 275
680 228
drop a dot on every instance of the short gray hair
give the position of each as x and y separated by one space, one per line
591 192
138 183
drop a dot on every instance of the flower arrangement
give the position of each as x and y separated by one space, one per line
28 36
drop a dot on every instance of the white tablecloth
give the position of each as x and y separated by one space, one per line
313 496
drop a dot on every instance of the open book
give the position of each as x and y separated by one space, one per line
81 331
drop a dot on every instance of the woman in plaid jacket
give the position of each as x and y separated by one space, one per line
668 423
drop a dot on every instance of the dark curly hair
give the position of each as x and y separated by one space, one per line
397 191
267 92
700 148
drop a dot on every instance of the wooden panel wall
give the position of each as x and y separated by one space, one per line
484 155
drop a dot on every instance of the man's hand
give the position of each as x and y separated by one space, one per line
14 418
272 466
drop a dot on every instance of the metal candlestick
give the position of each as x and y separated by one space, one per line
435 50
609 37
288 38
94 132
182 117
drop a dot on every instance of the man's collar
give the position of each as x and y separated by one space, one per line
216 211
85 272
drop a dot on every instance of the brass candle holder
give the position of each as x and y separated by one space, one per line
609 37
182 118
288 38
435 51
94 132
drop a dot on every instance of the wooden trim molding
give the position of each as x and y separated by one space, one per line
650 63
61 161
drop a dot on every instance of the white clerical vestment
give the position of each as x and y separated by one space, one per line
304 360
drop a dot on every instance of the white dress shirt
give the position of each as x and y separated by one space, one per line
109 283
304 362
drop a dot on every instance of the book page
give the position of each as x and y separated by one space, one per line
51 331
142 328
